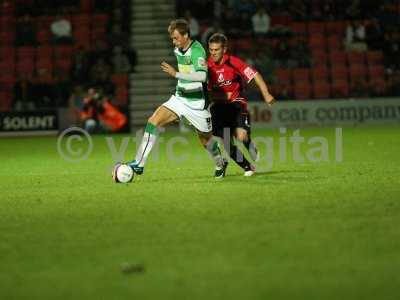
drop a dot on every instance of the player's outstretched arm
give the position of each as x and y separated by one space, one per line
268 98
199 76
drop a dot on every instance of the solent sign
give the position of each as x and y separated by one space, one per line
330 112
43 121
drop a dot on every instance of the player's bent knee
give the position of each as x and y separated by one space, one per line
242 136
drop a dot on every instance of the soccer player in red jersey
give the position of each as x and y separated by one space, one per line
227 74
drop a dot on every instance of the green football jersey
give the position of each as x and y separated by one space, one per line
189 61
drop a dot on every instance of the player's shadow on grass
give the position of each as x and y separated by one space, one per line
257 177
275 176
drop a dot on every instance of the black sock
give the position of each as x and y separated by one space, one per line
238 157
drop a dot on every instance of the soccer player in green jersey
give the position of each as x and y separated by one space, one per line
189 100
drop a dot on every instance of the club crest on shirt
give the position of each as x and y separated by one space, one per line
249 72
221 77
201 62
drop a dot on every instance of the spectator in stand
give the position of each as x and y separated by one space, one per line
25 31
298 10
75 105
245 25
214 28
353 10
193 25
80 65
245 6
99 115
61 30
301 53
374 35
100 75
230 23
23 94
120 61
355 37
261 23
118 37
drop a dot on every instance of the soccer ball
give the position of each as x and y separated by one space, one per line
122 173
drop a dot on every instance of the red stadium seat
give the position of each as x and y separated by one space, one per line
357 58
319 73
299 28
321 89
7 53
25 66
6 101
120 79
63 52
44 52
302 91
337 57
317 41
43 36
374 57
376 71
100 21
339 72
26 53
301 74
122 96
336 28
319 57
378 86
316 28
283 75
340 88
335 43
357 71
81 20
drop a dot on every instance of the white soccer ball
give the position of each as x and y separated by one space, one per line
122 173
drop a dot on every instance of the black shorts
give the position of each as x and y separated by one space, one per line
229 115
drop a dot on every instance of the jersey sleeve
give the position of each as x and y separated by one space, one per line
199 59
246 71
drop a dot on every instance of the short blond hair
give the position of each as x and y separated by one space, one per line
181 25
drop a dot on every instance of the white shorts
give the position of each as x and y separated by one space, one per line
199 118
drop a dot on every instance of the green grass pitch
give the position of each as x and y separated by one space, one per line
327 230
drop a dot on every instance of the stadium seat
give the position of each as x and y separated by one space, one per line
43 36
357 71
6 101
336 28
44 52
334 43
319 57
378 86
355 58
316 28
340 88
26 53
122 95
100 21
302 91
319 73
299 28
7 53
120 79
317 41
300 75
283 75
374 57
339 72
26 66
63 52
376 71
321 89
337 57
7 37
81 20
